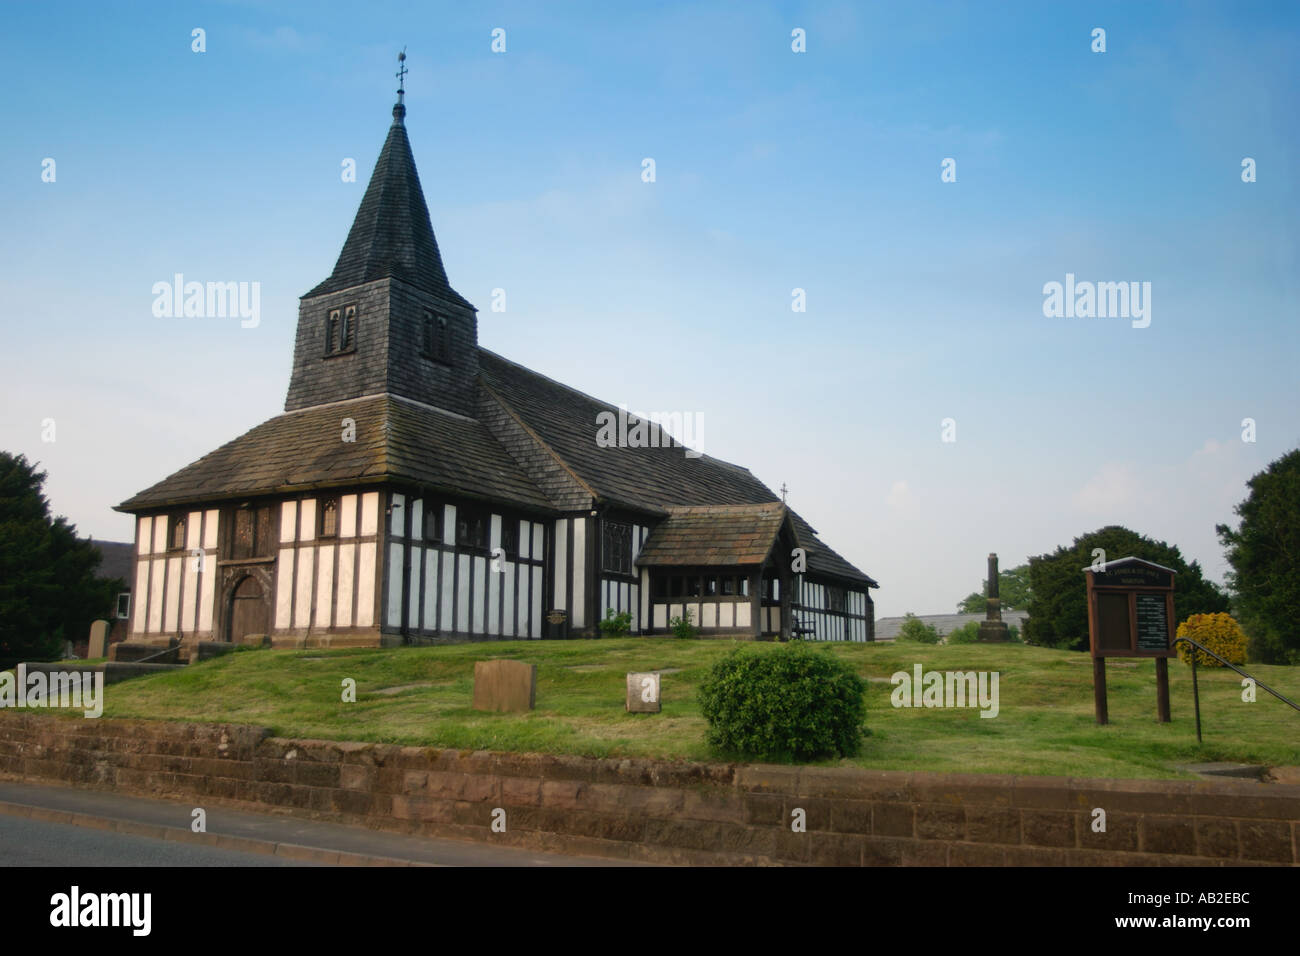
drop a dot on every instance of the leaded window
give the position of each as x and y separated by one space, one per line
472 526
329 517
616 550
176 533
510 537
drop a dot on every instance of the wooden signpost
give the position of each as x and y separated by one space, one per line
1131 614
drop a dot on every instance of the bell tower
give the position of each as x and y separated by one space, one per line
387 319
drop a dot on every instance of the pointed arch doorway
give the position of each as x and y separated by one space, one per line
249 611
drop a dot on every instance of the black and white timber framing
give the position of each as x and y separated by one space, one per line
420 489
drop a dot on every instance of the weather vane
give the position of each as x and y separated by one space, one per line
784 489
401 73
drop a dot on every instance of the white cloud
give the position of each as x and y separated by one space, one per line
900 497
1115 488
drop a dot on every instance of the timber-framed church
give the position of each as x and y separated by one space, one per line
420 489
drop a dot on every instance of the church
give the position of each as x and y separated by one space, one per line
420 489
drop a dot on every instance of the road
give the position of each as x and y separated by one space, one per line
25 842
44 825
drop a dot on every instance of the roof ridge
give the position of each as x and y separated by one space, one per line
743 506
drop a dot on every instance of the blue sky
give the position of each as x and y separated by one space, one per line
774 171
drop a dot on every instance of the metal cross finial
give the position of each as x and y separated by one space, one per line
401 73
784 489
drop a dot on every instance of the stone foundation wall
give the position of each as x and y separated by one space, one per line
671 812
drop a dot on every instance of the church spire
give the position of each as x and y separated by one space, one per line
387 320
391 236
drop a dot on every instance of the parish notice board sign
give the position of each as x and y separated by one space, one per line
1131 609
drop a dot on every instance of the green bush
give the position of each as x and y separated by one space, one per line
793 703
682 626
968 633
915 629
615 625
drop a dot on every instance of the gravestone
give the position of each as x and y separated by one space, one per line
98 640
504 686
643 693
993 629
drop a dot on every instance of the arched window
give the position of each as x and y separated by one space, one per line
176 539
329 517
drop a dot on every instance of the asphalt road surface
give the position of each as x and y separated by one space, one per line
115 829
25 842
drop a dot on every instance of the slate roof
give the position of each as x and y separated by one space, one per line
714 535
392 235
395 439
641 478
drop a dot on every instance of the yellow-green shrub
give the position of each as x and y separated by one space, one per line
1219 632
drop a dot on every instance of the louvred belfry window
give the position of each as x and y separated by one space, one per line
435 338
341 330
348 331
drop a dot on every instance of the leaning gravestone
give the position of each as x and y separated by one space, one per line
98 640
643 693
504 686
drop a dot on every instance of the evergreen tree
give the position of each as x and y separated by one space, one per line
49 591
1265 557
1058 608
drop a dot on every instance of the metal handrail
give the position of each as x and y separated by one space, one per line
1196 691
165 650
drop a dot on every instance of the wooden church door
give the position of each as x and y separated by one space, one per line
248 610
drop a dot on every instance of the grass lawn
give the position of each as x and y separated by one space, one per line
1044 726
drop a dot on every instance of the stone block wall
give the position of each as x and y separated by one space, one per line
669 812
